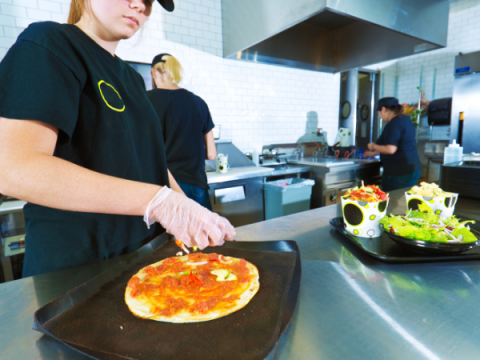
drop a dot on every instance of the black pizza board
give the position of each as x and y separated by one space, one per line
385 249
94 320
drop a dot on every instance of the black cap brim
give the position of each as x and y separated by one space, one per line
158 59
167 4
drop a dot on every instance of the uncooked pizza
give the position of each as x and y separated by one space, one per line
192 288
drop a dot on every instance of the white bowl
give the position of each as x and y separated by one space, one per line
441 206
362 218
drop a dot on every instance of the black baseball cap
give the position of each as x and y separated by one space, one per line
386 102
158 59
167 4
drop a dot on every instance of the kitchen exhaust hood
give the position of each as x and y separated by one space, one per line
331 35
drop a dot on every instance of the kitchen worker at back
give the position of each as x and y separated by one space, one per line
186 126
397 147
82 144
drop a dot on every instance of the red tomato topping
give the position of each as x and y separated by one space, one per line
133 282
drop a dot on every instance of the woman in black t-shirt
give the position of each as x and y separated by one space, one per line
82 144
397 147
187 128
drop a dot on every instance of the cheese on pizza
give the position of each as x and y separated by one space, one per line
192 288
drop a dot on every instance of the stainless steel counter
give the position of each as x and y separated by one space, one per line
289 169
350 305
240 173
329 164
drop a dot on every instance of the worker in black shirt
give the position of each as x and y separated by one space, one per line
186 126
82 144
397 147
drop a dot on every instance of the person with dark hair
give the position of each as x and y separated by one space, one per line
396 147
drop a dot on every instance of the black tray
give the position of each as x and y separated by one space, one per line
385 249
63 317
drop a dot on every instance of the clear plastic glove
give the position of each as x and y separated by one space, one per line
188 221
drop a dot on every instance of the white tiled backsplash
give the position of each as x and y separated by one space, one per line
258 104
255 104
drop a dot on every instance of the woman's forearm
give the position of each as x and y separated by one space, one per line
385 149
173 184
53 182
33 174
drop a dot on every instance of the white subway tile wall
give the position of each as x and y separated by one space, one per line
463 36
255 104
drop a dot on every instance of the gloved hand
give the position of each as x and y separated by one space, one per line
188 221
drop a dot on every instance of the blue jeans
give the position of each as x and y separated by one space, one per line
390 183
196 194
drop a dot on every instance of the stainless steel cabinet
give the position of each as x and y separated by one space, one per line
240 201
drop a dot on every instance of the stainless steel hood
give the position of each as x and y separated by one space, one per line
331 35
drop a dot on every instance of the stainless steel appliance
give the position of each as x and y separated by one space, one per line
331 35
278 154
359 93
465 117
236 195
333 177
434 152
12 239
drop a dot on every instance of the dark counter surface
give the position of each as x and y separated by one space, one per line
350 306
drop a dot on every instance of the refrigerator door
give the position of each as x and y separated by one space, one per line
466 95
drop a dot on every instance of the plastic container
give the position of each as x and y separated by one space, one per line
286 197
453 153
216 132
256 157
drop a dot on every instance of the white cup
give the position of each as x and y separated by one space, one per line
362 218
221 163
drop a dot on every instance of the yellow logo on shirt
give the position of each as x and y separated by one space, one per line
111 96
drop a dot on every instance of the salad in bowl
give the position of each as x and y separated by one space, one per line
362 208
429 227
432 198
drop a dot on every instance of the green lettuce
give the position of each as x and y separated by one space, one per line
427 226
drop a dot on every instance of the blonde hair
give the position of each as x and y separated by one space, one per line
77 8
171 66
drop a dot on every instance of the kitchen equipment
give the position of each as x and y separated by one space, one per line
453 153
331 36
462 177
236 195
384 249
12 242
465 118
440 112
278 154
434 154
87 320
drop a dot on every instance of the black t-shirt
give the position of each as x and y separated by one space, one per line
58 75
185 120
400 131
